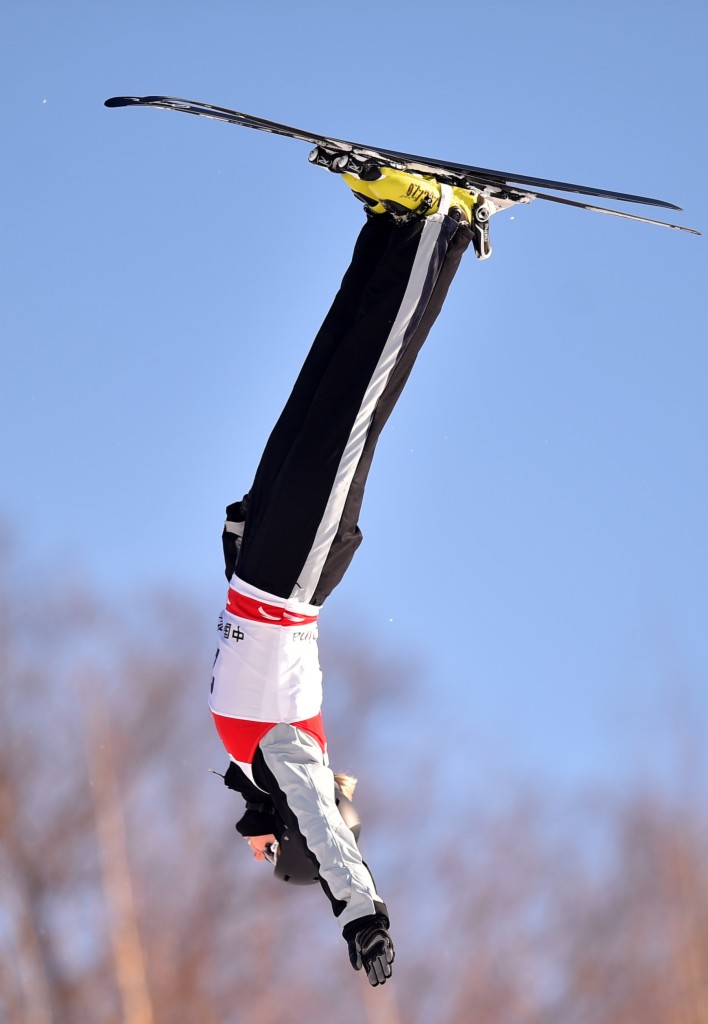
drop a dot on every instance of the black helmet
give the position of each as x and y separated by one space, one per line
293 862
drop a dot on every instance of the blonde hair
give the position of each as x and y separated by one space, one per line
347 784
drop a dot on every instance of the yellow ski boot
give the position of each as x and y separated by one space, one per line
404 194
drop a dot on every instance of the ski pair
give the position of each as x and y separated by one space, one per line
499 189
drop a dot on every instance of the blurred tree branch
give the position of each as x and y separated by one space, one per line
127 895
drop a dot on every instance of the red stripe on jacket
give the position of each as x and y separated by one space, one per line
241 736
259 611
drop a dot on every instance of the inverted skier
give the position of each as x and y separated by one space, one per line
289 541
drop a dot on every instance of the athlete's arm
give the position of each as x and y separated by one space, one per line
291 765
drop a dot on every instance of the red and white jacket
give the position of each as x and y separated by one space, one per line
266 699
266 671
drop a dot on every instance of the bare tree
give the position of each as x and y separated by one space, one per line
127 895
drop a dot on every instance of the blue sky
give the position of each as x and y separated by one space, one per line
535 524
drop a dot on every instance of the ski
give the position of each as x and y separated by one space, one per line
501 189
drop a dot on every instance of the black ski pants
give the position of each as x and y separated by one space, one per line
301 513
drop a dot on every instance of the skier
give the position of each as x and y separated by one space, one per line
288 542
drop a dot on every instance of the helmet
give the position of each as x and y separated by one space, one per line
293 861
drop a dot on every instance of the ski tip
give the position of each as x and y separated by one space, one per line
132 101
142 101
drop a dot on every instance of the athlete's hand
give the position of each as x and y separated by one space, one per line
259 845
372 949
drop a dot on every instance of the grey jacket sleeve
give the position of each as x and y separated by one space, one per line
296 762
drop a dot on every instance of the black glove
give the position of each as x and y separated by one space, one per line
371 948
232 536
